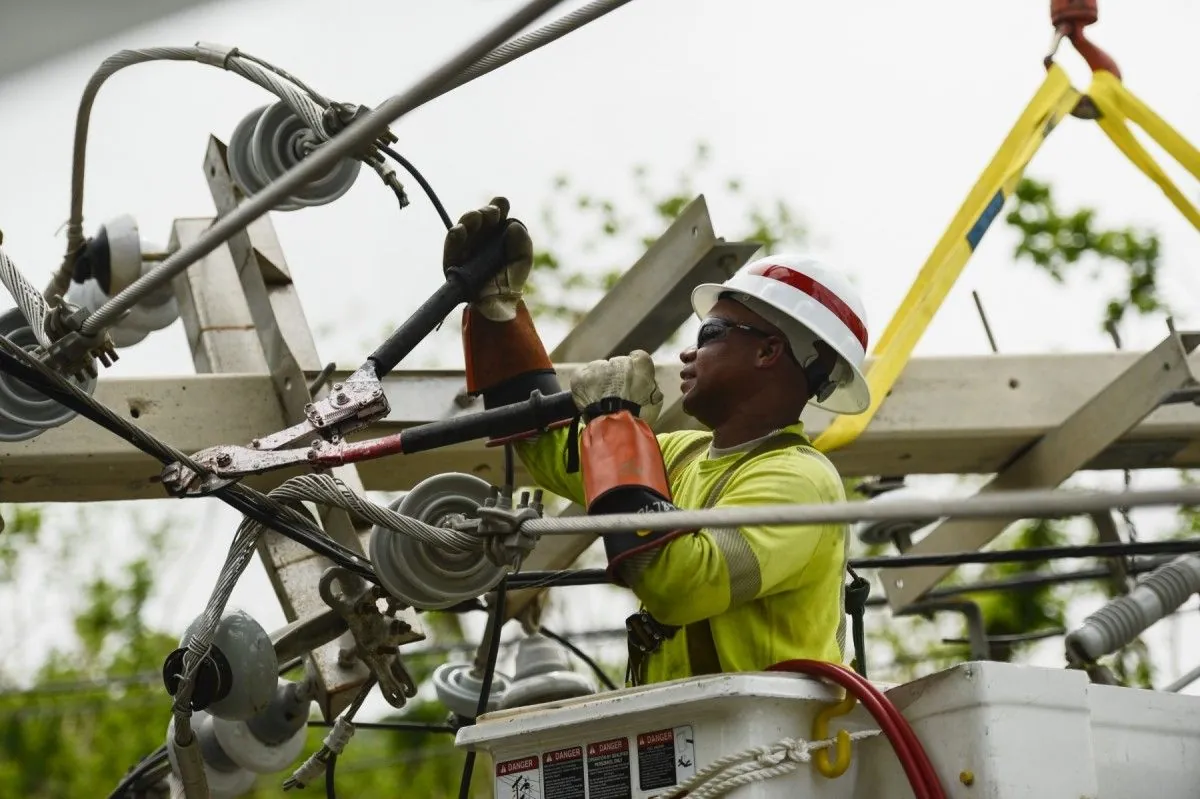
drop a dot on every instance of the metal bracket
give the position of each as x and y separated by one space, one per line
1054 457
377 638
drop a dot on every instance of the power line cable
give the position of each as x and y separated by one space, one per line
359 133
253 504
424 184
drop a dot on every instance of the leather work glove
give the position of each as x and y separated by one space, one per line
620 460
497 299
629 378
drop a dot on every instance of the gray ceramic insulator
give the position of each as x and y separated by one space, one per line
1121 621
223 778
252 662
428 577
26 412
268 142
458 686
543 674
272 740
287 713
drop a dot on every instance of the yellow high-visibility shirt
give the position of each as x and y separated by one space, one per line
770 592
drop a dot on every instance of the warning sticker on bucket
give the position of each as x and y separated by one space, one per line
562 773
519 779
608 773
665 757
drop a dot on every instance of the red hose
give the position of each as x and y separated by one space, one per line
908 749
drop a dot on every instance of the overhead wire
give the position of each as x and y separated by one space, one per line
361 132
287 521
304 101
601 675
29 300
142 771
422 182
577 577
1010 505
527 43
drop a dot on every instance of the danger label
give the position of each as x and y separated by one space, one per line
562 773
608 773
519 779
665 757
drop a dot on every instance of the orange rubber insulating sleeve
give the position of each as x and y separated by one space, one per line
498 351
618 450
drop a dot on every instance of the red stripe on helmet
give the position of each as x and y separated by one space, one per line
830 301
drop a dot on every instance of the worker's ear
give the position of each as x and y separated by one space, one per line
772 349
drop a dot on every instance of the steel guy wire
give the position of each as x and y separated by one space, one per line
1009 505
261 72
302 100
360 132
29 300
523 45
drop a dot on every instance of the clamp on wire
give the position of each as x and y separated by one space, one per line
501 523
377 637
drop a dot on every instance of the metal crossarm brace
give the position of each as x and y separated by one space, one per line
642 311
946 415
1091 429
249 279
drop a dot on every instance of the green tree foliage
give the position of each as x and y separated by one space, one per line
1058 243
586 241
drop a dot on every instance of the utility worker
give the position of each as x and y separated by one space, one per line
783 332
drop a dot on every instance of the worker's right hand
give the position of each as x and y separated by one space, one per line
497 299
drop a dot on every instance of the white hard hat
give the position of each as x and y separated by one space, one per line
807 300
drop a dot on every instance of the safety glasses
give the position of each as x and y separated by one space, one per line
714 328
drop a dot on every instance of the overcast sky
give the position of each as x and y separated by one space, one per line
873 127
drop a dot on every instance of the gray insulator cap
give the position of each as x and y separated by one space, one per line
287 713
428 577
26 412
543 674
251 657
268 142
887 531
458 686
225 779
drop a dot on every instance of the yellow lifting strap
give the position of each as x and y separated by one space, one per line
1053 101
1117 104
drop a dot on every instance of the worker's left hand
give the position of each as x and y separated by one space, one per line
625 377
497 299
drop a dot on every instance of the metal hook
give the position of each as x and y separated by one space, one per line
820 732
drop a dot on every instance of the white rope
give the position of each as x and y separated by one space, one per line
756 764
